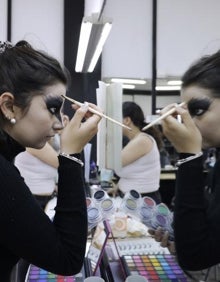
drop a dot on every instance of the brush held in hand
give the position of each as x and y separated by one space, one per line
96 112
170 112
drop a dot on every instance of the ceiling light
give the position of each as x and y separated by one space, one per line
168 88
174 82
127 80
93 34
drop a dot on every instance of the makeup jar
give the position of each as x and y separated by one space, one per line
162 217
99 196
107 208
131 203
94 217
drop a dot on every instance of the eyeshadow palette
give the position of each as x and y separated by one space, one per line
94 253
155 268
36 274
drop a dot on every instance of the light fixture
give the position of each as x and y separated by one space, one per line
174 82
129 80
128 86
168 88
93 34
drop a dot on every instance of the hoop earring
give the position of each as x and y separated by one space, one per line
13 121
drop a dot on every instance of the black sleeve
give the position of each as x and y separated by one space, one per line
196 221
27 232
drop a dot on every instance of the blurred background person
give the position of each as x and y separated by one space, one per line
140 156
39 168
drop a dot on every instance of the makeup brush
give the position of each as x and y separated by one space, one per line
96 112
170 112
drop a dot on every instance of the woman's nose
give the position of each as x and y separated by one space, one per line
58 125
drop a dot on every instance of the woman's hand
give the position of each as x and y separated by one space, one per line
184 136
80 129
163 237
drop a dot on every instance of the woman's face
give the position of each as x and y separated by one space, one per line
42 120
205 111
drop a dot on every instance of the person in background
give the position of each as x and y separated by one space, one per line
196 217
39 168
140 157
31 85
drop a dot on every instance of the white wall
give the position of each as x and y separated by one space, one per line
127 52
3 20
41 23
186 29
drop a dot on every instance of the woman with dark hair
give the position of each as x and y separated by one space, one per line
196 219
140 157
31 85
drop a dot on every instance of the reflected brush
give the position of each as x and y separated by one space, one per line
96 112
170 112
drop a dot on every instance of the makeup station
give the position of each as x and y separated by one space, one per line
142 62
119 244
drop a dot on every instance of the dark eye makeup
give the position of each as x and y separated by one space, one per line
197 107
54 105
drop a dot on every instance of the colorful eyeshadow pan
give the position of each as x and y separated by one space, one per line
131 204
162 209
149 202
155 268
37 274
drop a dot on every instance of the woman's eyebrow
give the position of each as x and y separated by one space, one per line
51 97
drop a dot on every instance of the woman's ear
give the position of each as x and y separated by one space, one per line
127 120
6 104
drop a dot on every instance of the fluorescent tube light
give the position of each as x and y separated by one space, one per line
168 88
93 35
128 86
174 82
105 32
128 80
85 31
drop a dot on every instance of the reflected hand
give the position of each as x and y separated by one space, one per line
184 136
163 237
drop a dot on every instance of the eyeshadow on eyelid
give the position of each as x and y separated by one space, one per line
53 101
198 107
195 103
